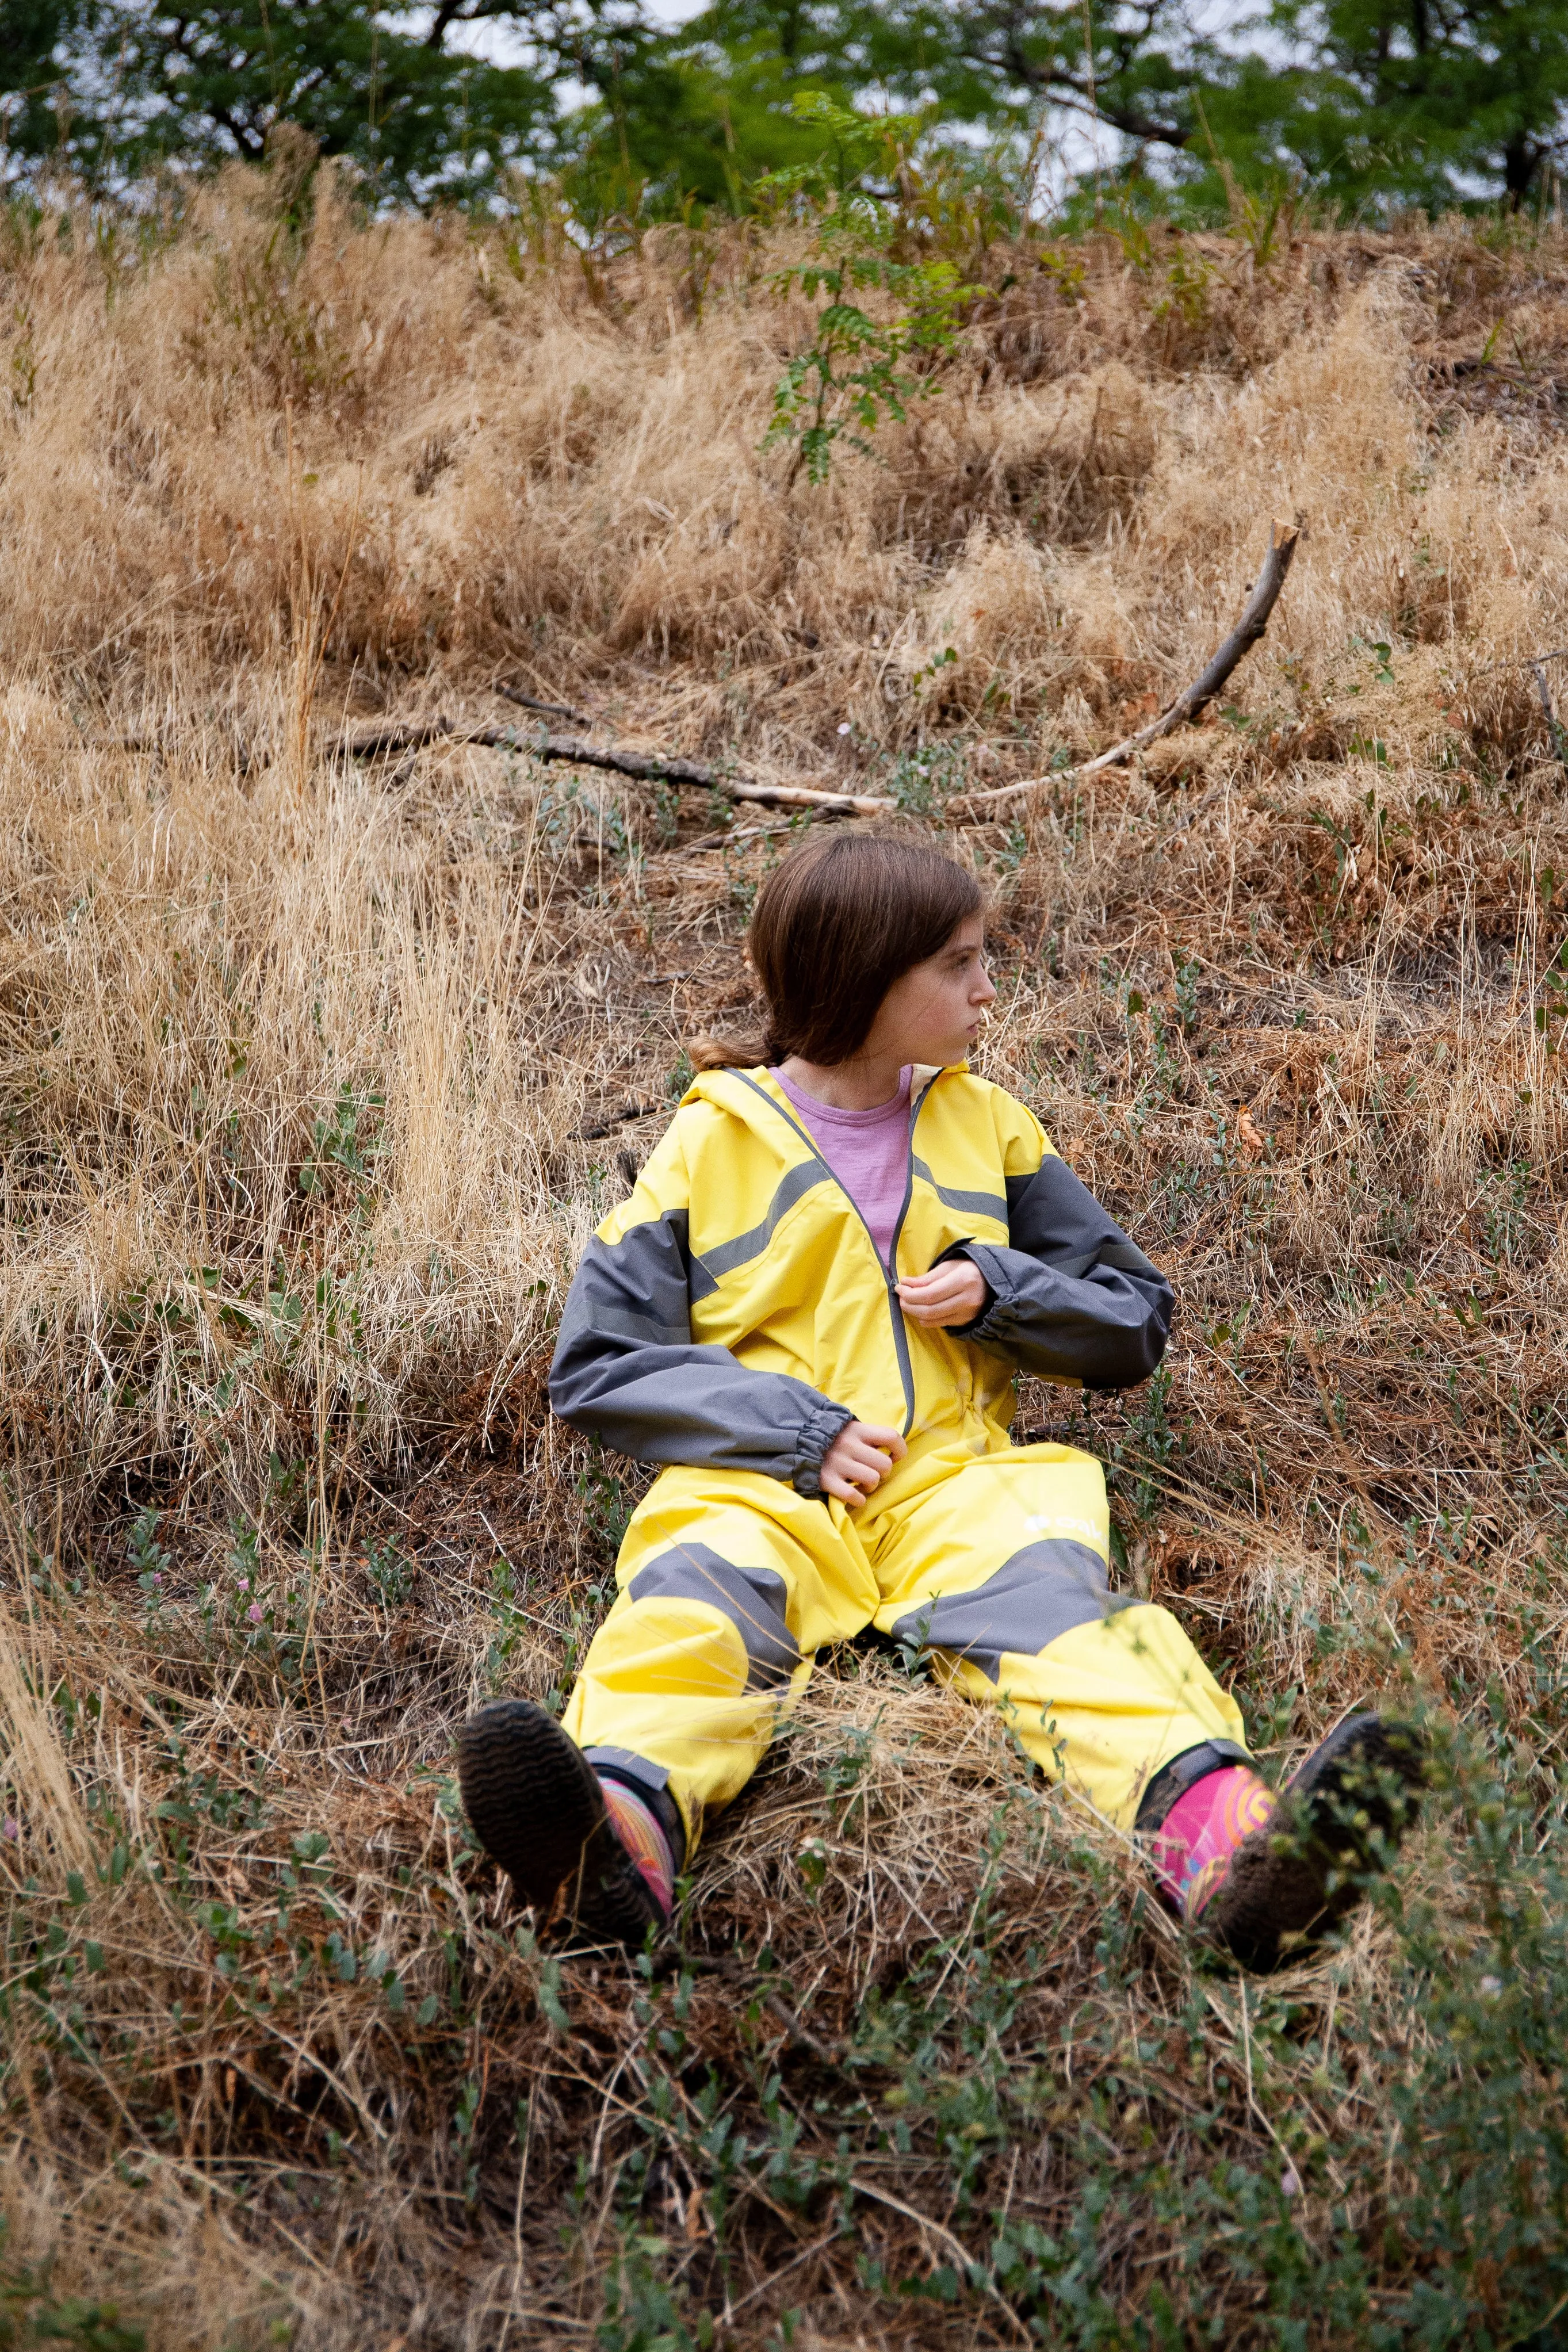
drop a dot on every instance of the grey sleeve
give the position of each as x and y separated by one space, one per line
1071 1297
628 1371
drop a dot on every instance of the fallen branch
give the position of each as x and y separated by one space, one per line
694 775
389 740
1524 661
551 709
1283 541
607 1126
689 773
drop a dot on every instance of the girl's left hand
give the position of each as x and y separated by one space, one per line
955 1292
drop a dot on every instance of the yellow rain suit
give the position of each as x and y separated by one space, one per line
733 1315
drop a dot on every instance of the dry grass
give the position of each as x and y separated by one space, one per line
292 1059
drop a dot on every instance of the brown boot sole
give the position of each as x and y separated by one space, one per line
1295 1878
536 1807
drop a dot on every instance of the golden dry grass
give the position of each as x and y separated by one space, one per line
294 1057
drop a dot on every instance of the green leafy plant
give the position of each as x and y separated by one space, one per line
30 2315
862 366
391 1574
148 1557
345 1143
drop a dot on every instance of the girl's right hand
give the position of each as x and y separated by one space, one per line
859 1459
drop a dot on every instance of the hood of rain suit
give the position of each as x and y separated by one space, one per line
733 1312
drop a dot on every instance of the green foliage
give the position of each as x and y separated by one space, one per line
1424 103
345 1141
920 782
1365 102
123 90
29 2314
148 1557
686 121
642 2311
860 368
391 1574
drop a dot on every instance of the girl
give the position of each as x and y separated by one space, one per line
812 1309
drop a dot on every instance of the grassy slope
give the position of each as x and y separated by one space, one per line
292 1059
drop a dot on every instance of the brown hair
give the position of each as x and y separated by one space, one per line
835 926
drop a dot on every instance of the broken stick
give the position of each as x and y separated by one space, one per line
551 709
637 765
1283 541
601 1127
693 774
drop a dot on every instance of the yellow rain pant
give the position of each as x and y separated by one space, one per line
728 1582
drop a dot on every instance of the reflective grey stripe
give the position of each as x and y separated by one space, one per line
1042 1591
968 1204
707 1268
641 1328
753 1599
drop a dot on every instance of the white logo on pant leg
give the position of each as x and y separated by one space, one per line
1046 1523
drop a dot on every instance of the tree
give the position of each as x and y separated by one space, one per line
1372 102
712 108
695 117
32 34
196 84
1435 100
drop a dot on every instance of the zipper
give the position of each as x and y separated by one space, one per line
900 1333
889 1271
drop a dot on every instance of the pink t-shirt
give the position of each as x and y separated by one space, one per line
868 1151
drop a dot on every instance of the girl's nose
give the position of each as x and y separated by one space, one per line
986 992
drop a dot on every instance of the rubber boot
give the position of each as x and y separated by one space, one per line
536 1806
1295 1877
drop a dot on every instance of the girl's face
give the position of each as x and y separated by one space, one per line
933 1013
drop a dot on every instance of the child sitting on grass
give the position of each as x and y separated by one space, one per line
812 1309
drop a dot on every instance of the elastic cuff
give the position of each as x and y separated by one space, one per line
817 1433
995 1325
994 1328
651 1783
1182 1773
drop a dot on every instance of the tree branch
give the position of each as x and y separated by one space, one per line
691 774
551 709
1283 541
1052 77
694 775
440 19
